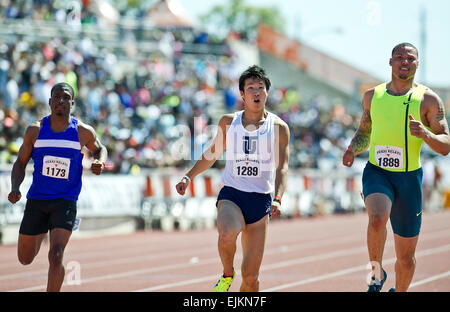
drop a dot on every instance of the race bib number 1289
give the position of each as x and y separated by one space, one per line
247 168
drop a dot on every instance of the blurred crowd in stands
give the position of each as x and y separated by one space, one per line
51 10
137 107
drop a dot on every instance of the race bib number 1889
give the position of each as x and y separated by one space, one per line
389 156
56 167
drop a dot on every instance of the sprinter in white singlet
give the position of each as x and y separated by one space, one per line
257 155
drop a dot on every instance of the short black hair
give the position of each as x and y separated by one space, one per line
63 85
402 45
254 72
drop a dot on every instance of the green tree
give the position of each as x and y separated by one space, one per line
237 16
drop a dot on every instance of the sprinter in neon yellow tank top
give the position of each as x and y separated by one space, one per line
398 117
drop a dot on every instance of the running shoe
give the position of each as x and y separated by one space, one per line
224 283
375 284
392 289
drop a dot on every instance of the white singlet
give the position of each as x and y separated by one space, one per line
250 156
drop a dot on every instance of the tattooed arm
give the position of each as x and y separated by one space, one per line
433 116
361 139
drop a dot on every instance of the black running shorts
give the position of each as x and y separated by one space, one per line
43 215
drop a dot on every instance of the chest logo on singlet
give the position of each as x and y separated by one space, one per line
250 145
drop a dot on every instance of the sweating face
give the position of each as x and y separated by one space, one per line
404 63
61 102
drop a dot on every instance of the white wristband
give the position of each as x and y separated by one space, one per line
187 178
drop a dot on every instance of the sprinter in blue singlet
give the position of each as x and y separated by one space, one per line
54 143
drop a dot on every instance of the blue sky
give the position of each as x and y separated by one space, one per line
369 29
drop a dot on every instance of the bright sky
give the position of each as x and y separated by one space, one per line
369 29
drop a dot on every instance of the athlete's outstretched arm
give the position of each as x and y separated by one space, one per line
18 170
282 163
361 139
438 138
209 156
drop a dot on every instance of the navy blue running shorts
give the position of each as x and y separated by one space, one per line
42 215
254 206
404 189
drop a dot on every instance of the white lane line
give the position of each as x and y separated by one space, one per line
99 254
281 264
308 259
216 259
188 264
77 256
111 244
425 252
100 264
429 279
190 252
183 283
123 274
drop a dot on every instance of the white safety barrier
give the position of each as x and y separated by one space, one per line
107 204
152 197
164 208
110 195
9 213
109 201
101 196
309 193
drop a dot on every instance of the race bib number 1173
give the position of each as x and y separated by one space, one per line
56 167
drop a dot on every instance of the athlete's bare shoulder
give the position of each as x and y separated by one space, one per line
226 119
32 131
283 129
84 127
224 124
36 125
430 98
86 133
433 112
367 98
280 122
369 92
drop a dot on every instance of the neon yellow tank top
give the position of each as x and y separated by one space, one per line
392 147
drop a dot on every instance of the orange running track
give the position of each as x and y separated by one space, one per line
320 254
